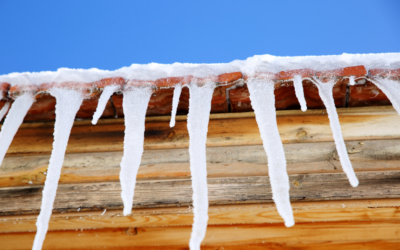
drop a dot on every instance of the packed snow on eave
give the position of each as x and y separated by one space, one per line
154 71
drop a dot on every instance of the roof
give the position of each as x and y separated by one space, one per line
231 95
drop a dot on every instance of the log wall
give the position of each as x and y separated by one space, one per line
329 213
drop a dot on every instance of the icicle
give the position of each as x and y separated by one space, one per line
175 101
13 120
325 92
197 123
101 105
67 105
298 88
135 106
352 81
4 110
263 102
391 89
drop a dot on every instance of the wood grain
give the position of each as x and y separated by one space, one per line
320 211
294 126
231 161
321 235
173 193
242 215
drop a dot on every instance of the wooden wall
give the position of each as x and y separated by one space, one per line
329 213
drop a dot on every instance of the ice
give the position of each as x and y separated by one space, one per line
13 120
298 87
134 103
391 89
352 82
4 110
68 103
101 105
175 101
197 123
325 92
263 102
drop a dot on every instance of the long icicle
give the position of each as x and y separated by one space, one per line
391 89
67 105
101 105
197 124
175 101
263 102
326 94
4 110
298 88
135 104
13 120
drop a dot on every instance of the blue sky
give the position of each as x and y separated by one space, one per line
46 35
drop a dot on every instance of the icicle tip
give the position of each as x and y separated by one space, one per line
354 182
127 211
289 223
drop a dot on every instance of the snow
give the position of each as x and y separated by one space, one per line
263 102
352 82
298 87
20 79
197 124
175 101
258 63
325 92
391 89
4 110
13 120
275 64
105 96
134 103
68 103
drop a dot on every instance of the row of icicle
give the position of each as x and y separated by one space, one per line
135 104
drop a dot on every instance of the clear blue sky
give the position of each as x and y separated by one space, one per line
45 35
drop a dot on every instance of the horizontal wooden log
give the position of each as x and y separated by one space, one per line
231 161
350 235
224 130
172 193
320 211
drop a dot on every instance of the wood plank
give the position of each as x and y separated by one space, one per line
294 126
231 161
321 235
320 211
221 191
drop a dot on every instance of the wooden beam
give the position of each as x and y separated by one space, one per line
231 161
319 235
294 126
178 192
320 211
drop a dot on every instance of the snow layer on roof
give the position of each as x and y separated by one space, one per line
275 64
154 71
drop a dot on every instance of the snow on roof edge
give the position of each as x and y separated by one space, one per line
257 63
